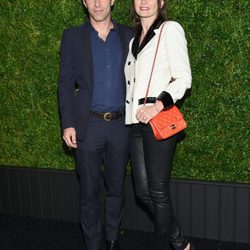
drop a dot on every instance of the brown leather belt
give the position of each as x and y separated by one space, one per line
107 116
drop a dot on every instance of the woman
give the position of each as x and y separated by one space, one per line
151 159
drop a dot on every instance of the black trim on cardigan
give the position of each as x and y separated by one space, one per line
166 99
136 47
149 100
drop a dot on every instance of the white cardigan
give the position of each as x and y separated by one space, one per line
172 61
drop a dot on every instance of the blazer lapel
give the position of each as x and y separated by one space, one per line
123 38
124 44
86 43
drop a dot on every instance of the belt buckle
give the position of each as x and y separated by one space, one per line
107 116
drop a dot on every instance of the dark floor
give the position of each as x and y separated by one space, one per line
21 233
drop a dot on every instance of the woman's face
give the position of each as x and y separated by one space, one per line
147 8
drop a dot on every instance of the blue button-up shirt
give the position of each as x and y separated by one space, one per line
108 71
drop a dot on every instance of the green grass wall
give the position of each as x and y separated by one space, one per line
216 146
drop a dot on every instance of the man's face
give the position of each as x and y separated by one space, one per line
99 10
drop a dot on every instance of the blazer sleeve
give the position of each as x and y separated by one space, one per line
177 54
66 82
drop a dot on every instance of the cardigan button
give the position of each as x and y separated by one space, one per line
128 82
129 63
127 101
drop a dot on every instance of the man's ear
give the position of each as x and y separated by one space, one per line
112 2
84 3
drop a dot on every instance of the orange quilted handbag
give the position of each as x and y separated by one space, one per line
167 123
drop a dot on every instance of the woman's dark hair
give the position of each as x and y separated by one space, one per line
162 13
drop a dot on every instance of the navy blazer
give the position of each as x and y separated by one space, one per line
75 84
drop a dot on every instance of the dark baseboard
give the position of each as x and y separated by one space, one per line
210 210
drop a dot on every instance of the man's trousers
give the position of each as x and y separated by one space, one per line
105 144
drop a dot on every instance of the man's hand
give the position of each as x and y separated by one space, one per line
69 136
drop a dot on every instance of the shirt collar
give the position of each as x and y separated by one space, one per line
92 29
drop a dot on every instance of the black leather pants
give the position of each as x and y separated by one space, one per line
151 167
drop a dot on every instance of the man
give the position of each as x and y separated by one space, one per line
91 92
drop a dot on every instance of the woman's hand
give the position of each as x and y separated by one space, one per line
146 113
